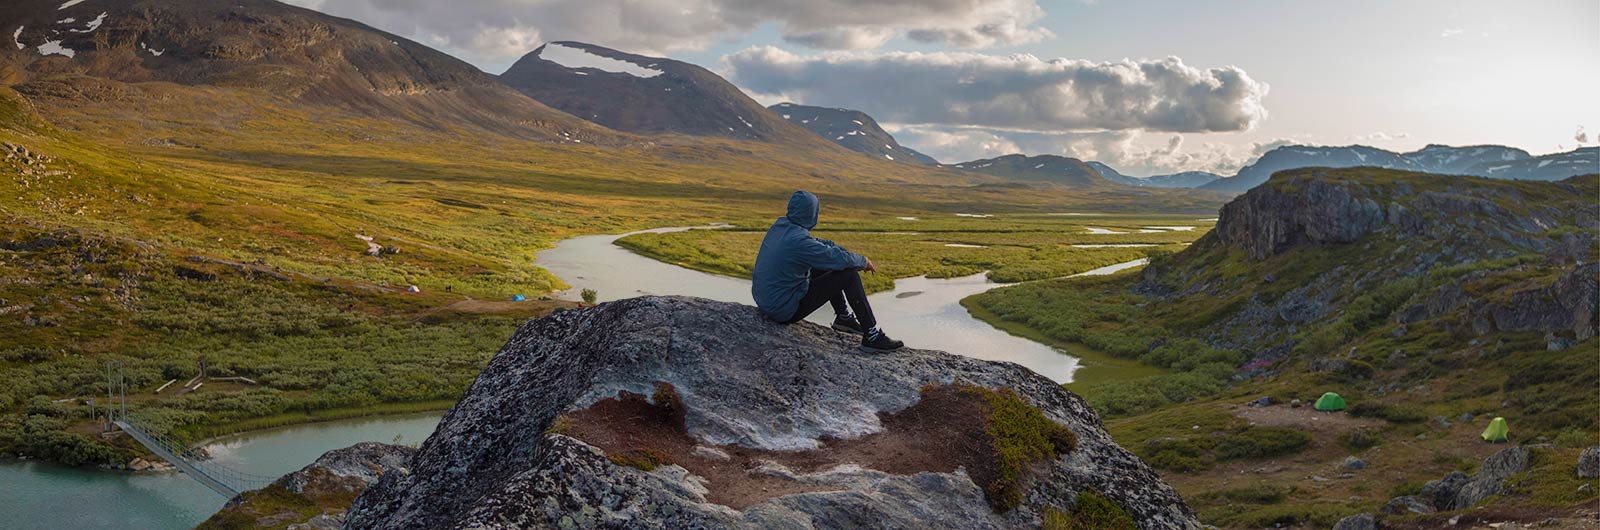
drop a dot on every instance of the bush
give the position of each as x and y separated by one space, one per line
1092 511
1261 441
1359 439
589 296
1387 412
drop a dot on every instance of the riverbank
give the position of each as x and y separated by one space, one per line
1095 367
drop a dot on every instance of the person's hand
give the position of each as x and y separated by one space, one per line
870 266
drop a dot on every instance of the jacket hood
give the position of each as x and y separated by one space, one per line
803 209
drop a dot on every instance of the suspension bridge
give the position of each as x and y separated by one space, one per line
224 480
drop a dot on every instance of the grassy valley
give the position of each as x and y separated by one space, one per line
177 223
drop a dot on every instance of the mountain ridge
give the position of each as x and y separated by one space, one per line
851 129
646 95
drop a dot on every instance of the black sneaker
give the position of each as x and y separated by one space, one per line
847 324
878 342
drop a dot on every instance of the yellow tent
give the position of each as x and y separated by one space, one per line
1497 430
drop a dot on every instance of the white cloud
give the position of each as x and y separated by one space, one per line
1130 152
954 145
493 33
1019 92
1379 136
1451 32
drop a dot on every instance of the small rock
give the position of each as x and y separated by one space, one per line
138 464
1407 504
1351 462
711 453
1295 403
1584 488
1263 401
1361 521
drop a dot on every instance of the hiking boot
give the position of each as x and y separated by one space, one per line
876 341
847 324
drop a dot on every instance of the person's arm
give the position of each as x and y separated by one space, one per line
823 254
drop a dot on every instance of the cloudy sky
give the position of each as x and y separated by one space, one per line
1149 87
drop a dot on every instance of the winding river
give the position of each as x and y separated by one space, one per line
923 312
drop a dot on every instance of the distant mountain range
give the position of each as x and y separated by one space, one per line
853 129
1496 161
1187 179
1040 168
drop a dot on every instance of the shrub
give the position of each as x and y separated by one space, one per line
1359 439
1092 511
1387 412
1262 441
589 296
1021 435
643 459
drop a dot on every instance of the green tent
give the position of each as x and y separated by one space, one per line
1497 430
1330 402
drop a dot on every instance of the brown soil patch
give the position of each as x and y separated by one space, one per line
942 432
1321 425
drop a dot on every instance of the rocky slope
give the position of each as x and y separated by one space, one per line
101 52
1431 303
642 94
316 496
851 129
1495 161
1041 168
538 440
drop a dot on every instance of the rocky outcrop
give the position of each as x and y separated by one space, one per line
315 496
1459 491
745 385
1272 218
1316 207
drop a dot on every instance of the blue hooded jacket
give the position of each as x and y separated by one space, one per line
788 253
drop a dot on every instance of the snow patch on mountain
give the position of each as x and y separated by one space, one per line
55 48
579 58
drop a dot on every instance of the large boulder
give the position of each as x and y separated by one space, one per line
1589 462
1492 476
785 402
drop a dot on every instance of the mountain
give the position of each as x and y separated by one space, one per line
1041 168
640 94
99 52
657 412
852 129
1553 166
1299 156
1481 160
1187 179
1435 158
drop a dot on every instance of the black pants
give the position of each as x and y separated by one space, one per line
836 287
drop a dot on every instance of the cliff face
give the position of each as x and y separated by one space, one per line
751 424
1317 258
1308 207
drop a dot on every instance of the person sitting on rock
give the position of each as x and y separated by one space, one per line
796 274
